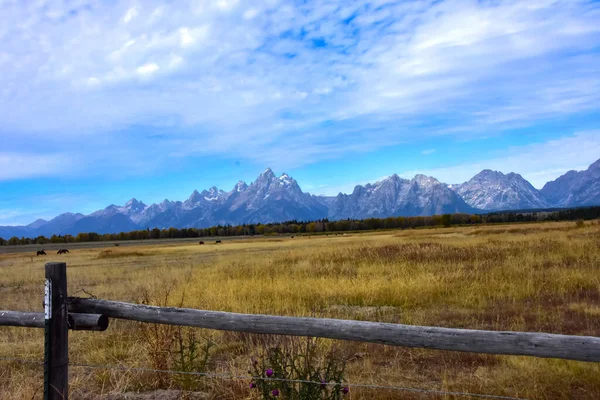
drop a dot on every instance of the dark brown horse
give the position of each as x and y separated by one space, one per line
201 242
218 241
41 253
62 251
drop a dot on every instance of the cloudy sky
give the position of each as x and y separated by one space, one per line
104 100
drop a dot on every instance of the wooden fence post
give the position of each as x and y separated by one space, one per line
56 348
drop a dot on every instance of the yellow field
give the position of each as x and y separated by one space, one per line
535 277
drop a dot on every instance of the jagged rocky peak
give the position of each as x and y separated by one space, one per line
269 182
240 186
213 194
424 180
165 204
358 189
392 179
267 174
575 188
135 205
488 174
286 179
493 190
195 197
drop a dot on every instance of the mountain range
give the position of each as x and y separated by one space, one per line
272 198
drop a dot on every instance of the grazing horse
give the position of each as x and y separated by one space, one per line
218 241
62 251
201 242
41 253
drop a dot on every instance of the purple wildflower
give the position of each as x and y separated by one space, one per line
252 385
269 372
275 392
345 390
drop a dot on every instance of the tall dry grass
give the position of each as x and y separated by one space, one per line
535 277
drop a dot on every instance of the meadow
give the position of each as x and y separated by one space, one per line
523 277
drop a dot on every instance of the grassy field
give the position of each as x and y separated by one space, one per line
535 277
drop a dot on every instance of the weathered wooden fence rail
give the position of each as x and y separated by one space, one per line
582 348
76 322
63 313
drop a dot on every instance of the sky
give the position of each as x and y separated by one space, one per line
105 100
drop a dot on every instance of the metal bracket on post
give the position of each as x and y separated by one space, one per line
47 335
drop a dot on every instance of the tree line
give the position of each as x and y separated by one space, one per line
321 226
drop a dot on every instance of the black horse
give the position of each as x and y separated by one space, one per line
218 241
62 251
41 253
201 242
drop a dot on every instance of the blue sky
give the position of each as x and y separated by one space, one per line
101 101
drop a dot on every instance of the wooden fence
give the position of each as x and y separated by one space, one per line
63 313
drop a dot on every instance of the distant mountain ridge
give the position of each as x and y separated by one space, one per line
492 190
272 198
395 196
575 188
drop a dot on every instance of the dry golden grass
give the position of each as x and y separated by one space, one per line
534 277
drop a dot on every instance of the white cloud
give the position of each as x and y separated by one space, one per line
8 216
226 4
130 14
175 61
186 37
93 81
250 13
147 69
19 165
46 206
427 152
281 75
190 36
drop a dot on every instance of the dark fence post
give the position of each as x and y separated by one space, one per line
56 354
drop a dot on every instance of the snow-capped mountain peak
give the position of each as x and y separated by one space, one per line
213 194
285 180
240 186
134 205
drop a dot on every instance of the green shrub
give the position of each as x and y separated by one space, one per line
316 377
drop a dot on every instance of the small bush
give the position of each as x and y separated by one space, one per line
191 355
579 223
299 363
173 347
